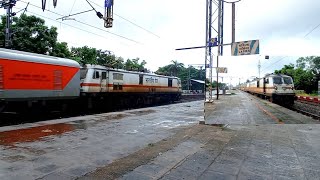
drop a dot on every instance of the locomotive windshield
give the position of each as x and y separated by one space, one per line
277 80
287 80
83 73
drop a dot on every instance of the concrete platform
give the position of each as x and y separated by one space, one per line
70 148
244 109
167 142
240 152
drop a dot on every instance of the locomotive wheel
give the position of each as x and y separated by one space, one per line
2 106
139 102
271 100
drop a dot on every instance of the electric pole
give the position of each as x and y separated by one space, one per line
214 13
8 5
259 66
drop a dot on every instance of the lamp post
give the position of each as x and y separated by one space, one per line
259 63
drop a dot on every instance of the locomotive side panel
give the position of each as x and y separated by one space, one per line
135 82
26 76
121 81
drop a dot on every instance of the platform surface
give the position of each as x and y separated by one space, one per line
244 109
167 142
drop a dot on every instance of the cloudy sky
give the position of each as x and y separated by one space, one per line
281 27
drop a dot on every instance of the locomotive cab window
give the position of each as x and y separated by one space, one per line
140 79
83 73
287 80
277 80
104 75
96 75
169 82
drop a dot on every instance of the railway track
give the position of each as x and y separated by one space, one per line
305 105
308 106
13 118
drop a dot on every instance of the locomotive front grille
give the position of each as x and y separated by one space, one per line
57 82
1 78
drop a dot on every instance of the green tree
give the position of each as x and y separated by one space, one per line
303 79
165 70
60 49
84 55
185 74
135 65
287 69
119 63
303 75
105 58
311 63
30 34
175 67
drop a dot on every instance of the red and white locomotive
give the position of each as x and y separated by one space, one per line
127 87
31 80
275 87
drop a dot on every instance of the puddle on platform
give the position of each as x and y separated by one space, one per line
9 138
13 158
132 132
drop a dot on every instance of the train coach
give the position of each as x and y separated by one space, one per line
36 82
278 88
127 88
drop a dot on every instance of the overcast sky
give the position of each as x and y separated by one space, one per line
280 25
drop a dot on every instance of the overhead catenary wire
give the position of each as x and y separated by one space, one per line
128 20
312 30
23 9
82 12
317 26
274 63
68 25
97 12
74 2
123 37
107 31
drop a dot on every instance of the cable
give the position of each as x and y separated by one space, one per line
311 30
66 17
74 2
68 25
274 63
288 56
41 8
87 24
107 31
137 25
128 20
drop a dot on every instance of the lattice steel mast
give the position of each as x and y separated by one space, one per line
8 5
214 32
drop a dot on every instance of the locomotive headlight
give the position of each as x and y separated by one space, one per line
275 87
292 88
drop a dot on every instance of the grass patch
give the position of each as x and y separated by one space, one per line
302 93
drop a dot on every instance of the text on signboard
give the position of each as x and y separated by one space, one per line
244 47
